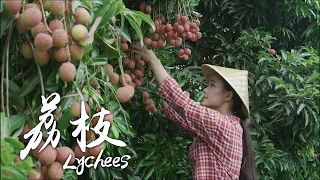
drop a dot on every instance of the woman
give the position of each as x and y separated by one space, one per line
222 148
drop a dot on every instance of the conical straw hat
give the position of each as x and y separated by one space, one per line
238 79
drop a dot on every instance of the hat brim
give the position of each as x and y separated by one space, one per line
208 70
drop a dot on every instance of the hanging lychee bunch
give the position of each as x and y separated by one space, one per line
157 39
145 8
149 103
124 93
175 33
135 69
51 40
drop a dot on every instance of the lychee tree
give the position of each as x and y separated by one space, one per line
84 50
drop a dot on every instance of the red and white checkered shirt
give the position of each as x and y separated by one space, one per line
216 152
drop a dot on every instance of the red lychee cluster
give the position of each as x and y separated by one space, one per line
135 69
174 34
149 103
124 93
51 39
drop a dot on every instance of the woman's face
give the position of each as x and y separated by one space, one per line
215 95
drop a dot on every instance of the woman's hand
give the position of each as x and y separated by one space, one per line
147 55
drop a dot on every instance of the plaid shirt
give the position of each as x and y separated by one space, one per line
216 152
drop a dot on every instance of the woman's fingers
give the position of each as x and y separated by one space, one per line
138 47
137 52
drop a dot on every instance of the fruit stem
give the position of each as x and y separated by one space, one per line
72 95
22 77
65 28
23 2
122 110
6 55
78 90
41 79
44 17
38 67
118 49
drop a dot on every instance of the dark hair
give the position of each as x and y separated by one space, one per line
248 167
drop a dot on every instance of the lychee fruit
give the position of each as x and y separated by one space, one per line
20 26
40 28
145 94
63 154
138 73
35 152
125 93
31 17
26 50
94 151
55 171
43 42
124 46
25 130
108 117
48 155
185 57
60 38
46 4
183 19
138 82
55 24
142 6
81 15
109 69
67 72
147 41
58 7
78 153
12 6
272 52
41 57
187 51
127 79
79 32
148 8
181 52
60 54
131 64
76 109
114 78
76 52
197 22
57 114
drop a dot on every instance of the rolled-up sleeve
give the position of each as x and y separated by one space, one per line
176 119
199 119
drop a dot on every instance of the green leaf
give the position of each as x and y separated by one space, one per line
29 84
301 106
16 121
79 76
145 18
314 77
15 143
111 12
149 173
137 29
124 33
148 163
5 126
301 137
6 19
115 130
15 173
64 121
